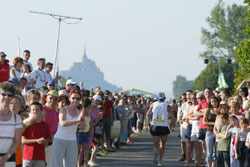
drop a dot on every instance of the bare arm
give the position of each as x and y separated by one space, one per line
28 141
149 110
64 122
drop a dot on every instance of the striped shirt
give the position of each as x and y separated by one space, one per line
7 132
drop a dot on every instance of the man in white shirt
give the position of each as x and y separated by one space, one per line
183 120
39 75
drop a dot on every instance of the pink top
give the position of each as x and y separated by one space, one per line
52 119
202 105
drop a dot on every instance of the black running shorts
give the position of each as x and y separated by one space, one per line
159 130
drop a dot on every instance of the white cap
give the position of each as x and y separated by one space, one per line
70 82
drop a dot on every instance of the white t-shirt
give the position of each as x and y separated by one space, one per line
7 132
29 78
160 114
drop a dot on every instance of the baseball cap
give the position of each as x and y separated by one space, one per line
51 83
70 82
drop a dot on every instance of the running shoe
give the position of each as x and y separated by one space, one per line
92 163
159 163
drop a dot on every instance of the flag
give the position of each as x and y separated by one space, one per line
221 81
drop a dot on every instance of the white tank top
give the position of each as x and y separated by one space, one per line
67 132
160 114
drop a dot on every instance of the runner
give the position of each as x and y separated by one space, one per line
159 128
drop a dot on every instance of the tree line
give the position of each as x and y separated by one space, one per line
227 49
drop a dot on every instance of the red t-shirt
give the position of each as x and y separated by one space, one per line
52 119
35 151
4 72
107 109
201 106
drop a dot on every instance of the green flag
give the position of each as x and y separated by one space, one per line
221 81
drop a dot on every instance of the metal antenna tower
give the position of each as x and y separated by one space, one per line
60 19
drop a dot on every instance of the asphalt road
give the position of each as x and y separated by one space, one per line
139 154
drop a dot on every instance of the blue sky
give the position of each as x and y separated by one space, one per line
136 43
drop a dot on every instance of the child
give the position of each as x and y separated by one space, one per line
35 138
242 149
233 132
83 134
223 157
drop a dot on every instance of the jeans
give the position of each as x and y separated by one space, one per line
107 124
210 146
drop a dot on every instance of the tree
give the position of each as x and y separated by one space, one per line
226 30
208 78
243 52
180 85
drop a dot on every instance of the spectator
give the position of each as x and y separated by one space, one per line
242 136
26 57
64 146
107 120
222 138
69 85
4 68
39 75
10 126
48 70
35 138
16 69
26 73
51 118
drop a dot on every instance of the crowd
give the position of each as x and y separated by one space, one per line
214 128
44 124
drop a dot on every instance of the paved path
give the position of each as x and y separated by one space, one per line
140 154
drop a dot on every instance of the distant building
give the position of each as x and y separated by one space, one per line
88 74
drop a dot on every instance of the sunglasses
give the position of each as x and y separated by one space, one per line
76 98
6 94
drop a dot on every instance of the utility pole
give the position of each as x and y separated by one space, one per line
60 19
19 46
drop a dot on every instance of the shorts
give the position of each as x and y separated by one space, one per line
202 134
188 132
183 132
195 131
82 138
159 130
